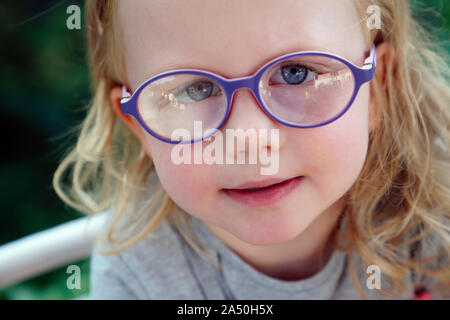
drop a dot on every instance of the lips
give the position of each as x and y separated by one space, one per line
260 184
262 193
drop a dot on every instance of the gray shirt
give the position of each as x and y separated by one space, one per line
164 266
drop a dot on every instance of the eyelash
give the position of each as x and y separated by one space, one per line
182 92
310 72
215 90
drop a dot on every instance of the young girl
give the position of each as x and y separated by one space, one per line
359 207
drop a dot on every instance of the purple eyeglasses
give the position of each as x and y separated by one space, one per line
304 89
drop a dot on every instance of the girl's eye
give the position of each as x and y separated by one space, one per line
293 74
197 91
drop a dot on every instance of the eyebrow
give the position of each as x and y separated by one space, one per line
257 66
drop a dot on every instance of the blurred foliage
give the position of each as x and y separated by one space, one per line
44 88
51 286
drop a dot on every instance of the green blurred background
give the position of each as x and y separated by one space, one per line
44 88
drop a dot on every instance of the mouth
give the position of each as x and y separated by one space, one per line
263 193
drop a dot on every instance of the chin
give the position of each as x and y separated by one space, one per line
270 234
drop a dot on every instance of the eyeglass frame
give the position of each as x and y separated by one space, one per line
361 75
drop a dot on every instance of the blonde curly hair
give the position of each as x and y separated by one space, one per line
401 198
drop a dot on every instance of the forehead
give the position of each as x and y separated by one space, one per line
233 38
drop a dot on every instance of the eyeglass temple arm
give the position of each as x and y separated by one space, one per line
371 60
368 69
125 95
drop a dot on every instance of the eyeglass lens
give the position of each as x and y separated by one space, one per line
301 90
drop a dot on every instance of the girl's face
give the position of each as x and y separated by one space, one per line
234 38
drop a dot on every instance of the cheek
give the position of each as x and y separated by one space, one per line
189 185
337 151
348 140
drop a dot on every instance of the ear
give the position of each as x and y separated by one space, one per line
385 56
115 96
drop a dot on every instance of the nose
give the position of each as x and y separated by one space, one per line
246 112
247 118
